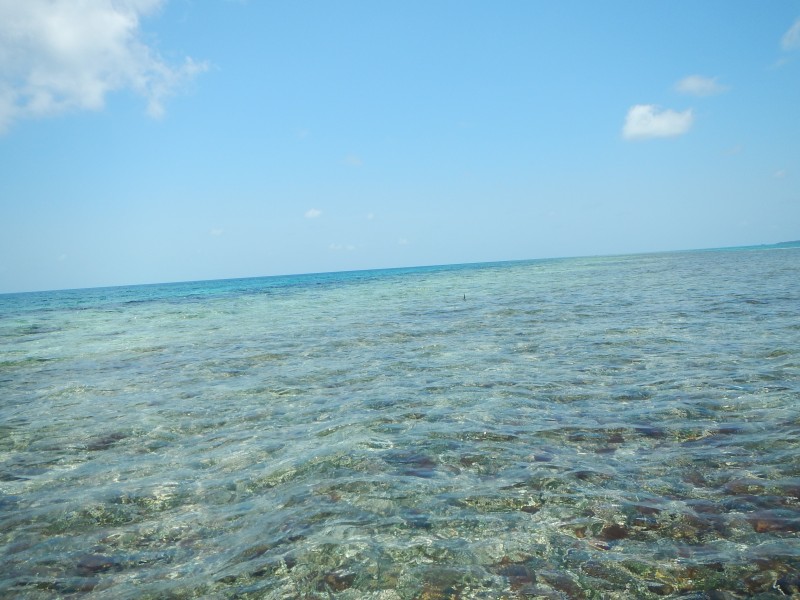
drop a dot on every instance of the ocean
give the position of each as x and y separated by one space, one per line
606 427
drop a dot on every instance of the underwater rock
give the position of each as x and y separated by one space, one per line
563 583
273 565
761 582
613 532
660 588
789 585
646 523
696 524
417 519
743 504
339 580
105 442
721 595
645 509
606 573
433 592
289 562
92 564
651 432
790 490
704 506
57 586
695 477
517 572
600 545
768 521
470 460
79 585
591 476
442 583
744 486
412 463
333 496
615 438
643 517
520 577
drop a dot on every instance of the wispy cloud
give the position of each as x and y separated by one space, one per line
353 160
697 85
791 39
649 121
779 174
216 232
313 213
736 149
62 55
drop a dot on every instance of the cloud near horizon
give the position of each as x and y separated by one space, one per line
649 121
62 55
697 85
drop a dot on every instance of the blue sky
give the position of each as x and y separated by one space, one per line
166 140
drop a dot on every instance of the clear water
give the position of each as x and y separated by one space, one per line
619 427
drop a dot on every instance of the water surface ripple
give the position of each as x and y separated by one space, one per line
616 427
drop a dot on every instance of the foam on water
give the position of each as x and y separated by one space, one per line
582 428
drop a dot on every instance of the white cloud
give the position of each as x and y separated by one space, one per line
791 39
780 63
402 241
697 85
313 213
649 121
62 55
779 174
216 232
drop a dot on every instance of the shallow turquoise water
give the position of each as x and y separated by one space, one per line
617 427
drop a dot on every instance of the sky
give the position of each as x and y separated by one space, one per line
147 141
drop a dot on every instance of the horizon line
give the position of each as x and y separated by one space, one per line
422 266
